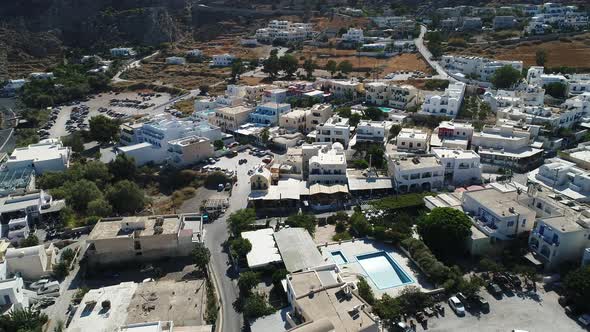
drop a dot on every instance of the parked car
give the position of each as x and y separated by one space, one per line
482 304
463 300
234 144
457 306
220 187
38 284
584 320
50 287
494 289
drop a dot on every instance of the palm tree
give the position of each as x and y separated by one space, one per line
23 320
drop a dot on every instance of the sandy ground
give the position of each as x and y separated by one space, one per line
324 233
97 101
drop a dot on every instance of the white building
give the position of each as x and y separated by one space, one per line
285 31
12 295
335 129
32 263
471 24
373 131
231 118
349 89
412 139
563 177
318 114
529 95
294 121
47 155
567 116
268 114
579 83
234 96
353 35
223 60
504 22
122 52
189 150
390 94
480 68
175 60
536 76
452 134
194 53
328 166
462 167
412 174
447 104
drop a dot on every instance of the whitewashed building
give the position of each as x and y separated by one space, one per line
447 104
335 129
462 167
189 150
452 134
390 94
175 60
412 139
285 31
328 166
481 68
223 60
413 174
353 35
47 155
372 131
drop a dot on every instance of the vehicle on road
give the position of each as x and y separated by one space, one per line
457 306
50 287
38 284
584 320
494 289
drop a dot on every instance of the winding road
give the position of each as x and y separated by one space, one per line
441 73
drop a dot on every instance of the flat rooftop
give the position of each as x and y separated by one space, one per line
235 110
44 150
418 162
188 140
499 202
264 249
110 228
454 153
297 249
563 223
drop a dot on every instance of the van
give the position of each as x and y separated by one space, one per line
50 287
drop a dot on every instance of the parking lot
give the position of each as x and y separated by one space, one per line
69 118
534 314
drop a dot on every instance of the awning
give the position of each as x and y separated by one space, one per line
328 189
531 258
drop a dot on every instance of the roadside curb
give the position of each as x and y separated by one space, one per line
219 323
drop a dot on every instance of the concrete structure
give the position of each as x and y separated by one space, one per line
353 35
222 60
125 239
530 95
412 174
564 178
372 131
32 263
12 295
196 53
297 249
462 167
504 22
318 114
480 68
567 116
390 94
264 248
274 96
268 114
335 129
346 89
328 166
412 139
175 60
536 76
231 118
122 52
578 83
452 134
294 121
189 150
447 104
47 155
471 24
285 31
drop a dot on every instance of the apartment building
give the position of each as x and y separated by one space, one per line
471 24
563 177
328 166
507 146
268 114
412 139
275 95
12 295
413 174
222 60
579 84
447 104
130 133
335 129
566 116
504 22
122 52
452 134
231 118
47 155
294 121
349 89
462 167
196 53
285 31
175 60
318 114
189 150
234 95
31 263
255 92
481 68
390 94
536 76
372 131
353 35
140 238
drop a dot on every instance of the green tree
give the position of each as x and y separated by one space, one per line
373 113
577 285
470 288
309 66
247 281
80 193
289 64
23 320
74 141
100 208
218 144
60 270
345 67
541 57
126 197
444 231
394 131
354 119
365 291
237 69
264 135
204 89
505 77
413 300
201 256
97 172
332 67
123 168
556 90
241 220
103 129
388 308
306 221
271 65
359 224
30 241
240 247
256 306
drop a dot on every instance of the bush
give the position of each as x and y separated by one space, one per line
256 306
365 291
436 270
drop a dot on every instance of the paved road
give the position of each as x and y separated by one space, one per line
133 64
441 73
216 234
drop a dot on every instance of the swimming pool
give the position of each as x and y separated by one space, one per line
383 270
338 257
385 109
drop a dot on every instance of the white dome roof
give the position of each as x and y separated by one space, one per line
337 146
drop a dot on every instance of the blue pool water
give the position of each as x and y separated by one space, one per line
383 270
338 257
385 109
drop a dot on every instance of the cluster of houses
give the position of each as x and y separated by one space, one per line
284 31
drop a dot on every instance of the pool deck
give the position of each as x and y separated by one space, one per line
352 269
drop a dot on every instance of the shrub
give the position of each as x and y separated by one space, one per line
365 291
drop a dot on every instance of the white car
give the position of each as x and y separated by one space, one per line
457 306
38 284
50 287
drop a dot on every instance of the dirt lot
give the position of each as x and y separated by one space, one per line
324 233
571 52
404 62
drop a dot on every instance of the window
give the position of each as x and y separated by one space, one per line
510 224
137 245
